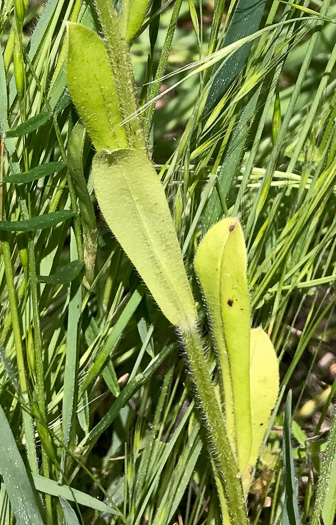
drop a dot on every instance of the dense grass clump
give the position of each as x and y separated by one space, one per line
232 105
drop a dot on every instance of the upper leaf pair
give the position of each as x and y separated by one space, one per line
246 358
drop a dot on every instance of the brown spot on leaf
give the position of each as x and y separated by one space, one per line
232 227
230 302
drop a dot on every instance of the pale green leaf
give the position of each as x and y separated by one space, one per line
220 264
15 478
68 513
134 205
49 486
136 16
264 388
91 84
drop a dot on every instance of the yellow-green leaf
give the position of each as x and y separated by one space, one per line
92 87
136 16
264 389
220 264
276 124
134 205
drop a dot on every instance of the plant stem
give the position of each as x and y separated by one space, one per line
222 455
27 420
328 464
38 358
39 365
118 52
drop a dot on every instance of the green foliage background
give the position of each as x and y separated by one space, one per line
260 146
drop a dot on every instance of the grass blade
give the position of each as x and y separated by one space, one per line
41 222
64 275
35 173
72 352
291 514
68 513
30 125
16 480
49 486
245 21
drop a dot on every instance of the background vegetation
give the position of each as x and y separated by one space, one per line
251 135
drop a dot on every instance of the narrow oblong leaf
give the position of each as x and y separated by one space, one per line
15 478
136 15
30 125
92 87
220 264
41 222
134 205
35 173
245 21
49 486
64 275
264 389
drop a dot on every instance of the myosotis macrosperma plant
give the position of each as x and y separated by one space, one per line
134 205
291 248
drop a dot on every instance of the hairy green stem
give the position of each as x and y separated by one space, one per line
326 473
118 52
222 455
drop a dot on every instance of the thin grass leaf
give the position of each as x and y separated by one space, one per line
35 173
30 125
72 352
41 222
130 389
112 340
20 491
245 21
182 474
167 450
3 97
64 275
291 515
48 486
75 161
69 514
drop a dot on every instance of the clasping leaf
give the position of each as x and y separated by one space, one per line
135 208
